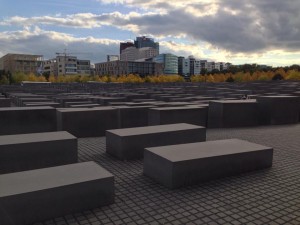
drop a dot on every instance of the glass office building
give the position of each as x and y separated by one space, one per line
169 61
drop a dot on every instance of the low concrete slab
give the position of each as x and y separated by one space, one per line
36 195
232 113
186 164
130 143
278 109
87 122
37 150
5 102
132 116
182 114
21 120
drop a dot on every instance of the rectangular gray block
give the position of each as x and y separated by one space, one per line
87 122
21 120
37 150
132 116
186 164
5 102
232 113
130 143
278 109
37 195
182 114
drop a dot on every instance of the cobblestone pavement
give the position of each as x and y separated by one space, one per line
270 196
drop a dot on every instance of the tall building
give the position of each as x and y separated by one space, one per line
21 63
169 61
124 45
116 68
203 64
195 66
143 41
183 66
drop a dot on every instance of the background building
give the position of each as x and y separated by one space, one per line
195 66
67 65
143 48
116 68
112 58
169 61
83 67
133 53
143 41
124 45
183 66
21 63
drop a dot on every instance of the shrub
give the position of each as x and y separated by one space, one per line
277 76
230 79
293 75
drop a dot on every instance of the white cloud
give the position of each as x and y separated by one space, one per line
224 30
37 41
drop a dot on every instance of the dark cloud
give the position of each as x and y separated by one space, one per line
254 26
237 26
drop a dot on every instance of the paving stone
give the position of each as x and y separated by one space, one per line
261 192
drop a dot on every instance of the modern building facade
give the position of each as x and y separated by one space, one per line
143 41
195 66
133 53
67 65
83 67
117 68
21 63
169 61
183 66
124 45
50 66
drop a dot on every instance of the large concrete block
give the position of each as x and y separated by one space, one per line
5 102
278 109
37 150
63 100
38 104
186 164
37 195
107 100
130 143
232 113
22 101
20 120
135 116
84 122
182 114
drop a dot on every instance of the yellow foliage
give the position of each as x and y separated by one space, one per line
210 78
31 77
282 72
293 75
220 77
198 78
61 79
263 76
52 79
41 79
